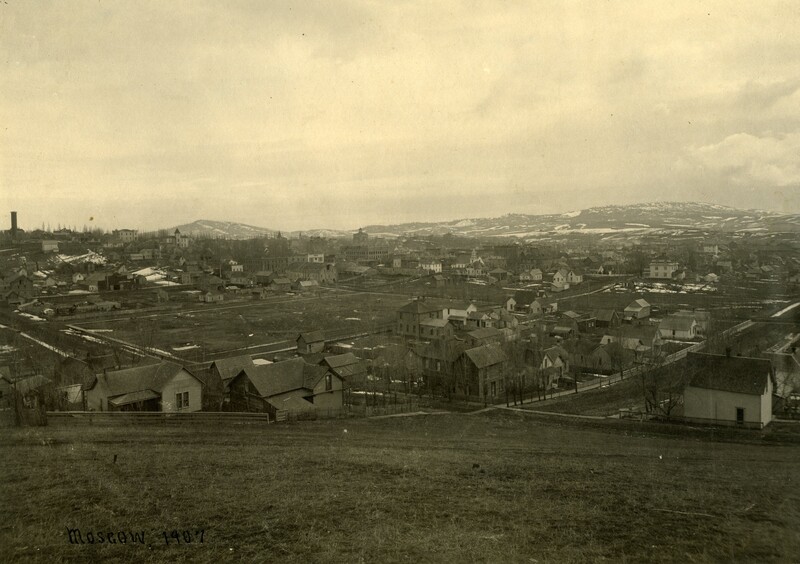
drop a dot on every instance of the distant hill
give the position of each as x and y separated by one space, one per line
223 229
657 217
234 230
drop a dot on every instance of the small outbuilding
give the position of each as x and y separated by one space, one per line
728 390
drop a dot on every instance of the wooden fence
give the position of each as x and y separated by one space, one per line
109 418
106 418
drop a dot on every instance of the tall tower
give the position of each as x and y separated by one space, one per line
13 226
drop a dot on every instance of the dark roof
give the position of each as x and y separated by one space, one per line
737 374
604 314
434 322
477 315
586 347
285 376
312 337
524 298
291 403
484 333
340 360
345 365
149 377
228 368
134 397
417 306
487 355
555 352
440 349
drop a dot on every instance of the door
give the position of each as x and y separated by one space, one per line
740 416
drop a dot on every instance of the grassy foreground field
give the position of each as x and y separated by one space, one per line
497 487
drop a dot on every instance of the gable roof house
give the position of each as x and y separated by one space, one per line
574 277
479 319
564 328
480 371
412 314
435 328
607 318
287 386
93 281
637 309
211 296
348 367
591 356
678 327
550 364
641 339
484 336
728 390
523 301
311 342
541 306
560 280
435 361
222 371
305 285
458 316
701 316
280 284
166 386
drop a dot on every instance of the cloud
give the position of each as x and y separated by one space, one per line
367 107
772 160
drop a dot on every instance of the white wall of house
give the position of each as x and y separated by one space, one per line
96 398
688 333
180 383
328 399
720 406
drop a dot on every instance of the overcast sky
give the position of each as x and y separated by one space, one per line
295 115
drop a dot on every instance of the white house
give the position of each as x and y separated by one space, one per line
678 327
663 269
637 309
165 386
434 266
560 278
574 277
728 390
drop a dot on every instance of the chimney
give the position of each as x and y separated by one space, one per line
13 226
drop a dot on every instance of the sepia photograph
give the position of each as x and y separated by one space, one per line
376 282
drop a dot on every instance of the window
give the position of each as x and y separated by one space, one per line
182 400
328 382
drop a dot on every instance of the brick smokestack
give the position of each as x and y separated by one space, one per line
13 225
